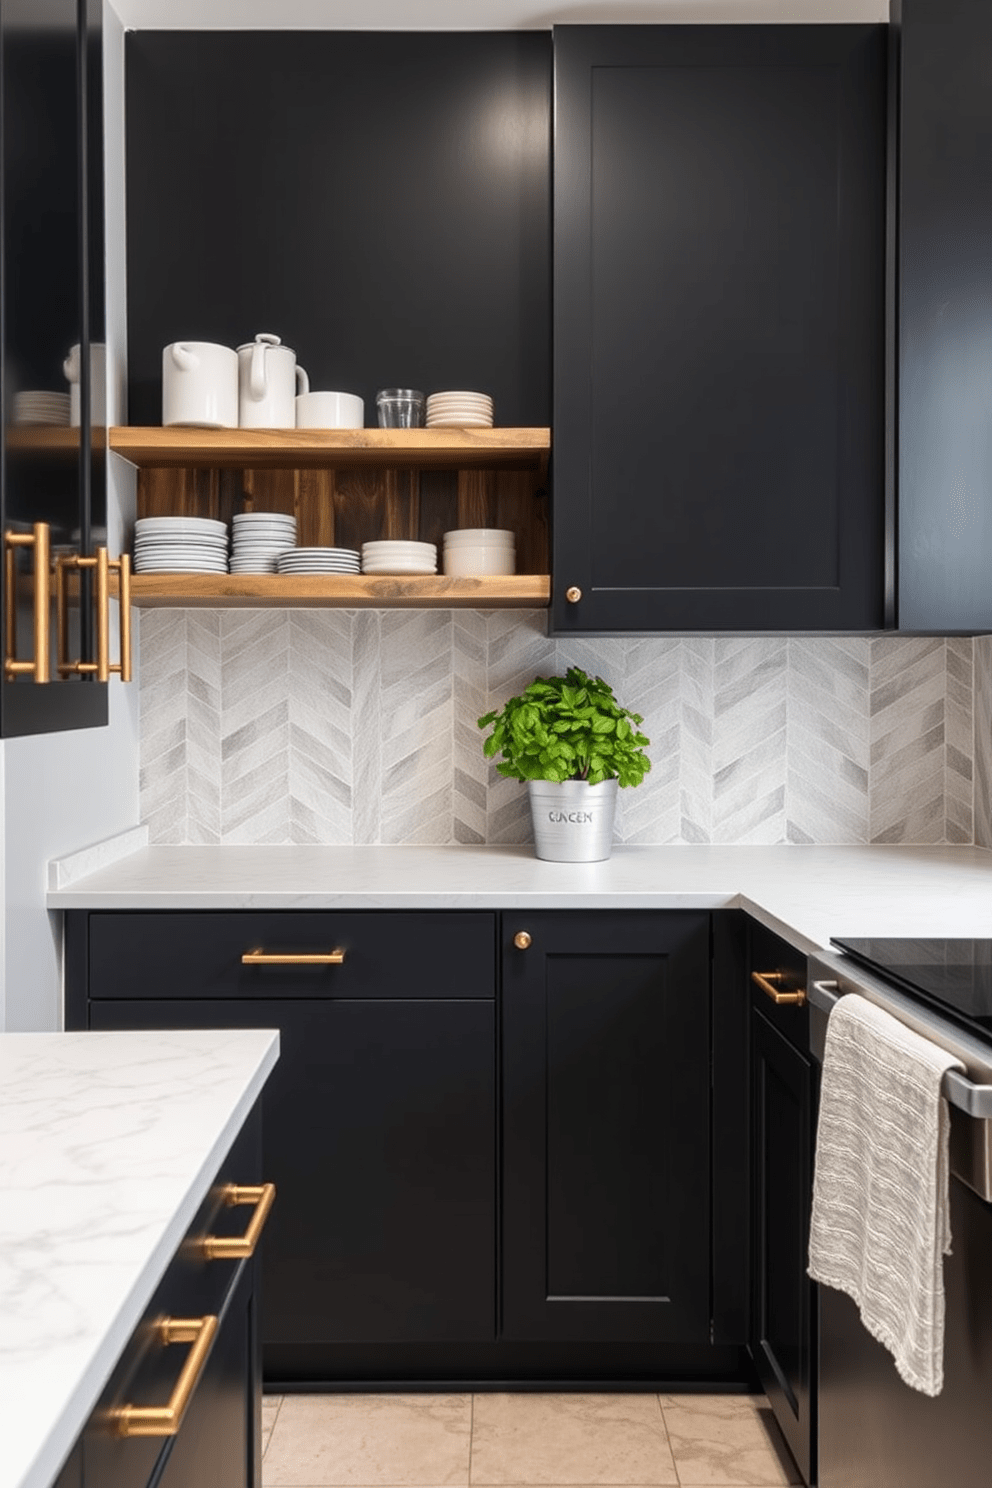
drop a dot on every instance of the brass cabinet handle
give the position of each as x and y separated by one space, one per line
262 958
771 983
574 594
239 1247
522 940
165 1420
102 668
39 538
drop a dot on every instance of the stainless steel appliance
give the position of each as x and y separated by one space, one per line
873 1431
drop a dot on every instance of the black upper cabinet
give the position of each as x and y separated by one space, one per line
52 302
606 1126
719 317
945 315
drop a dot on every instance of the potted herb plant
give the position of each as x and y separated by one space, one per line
573 744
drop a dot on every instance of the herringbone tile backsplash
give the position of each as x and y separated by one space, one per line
336 726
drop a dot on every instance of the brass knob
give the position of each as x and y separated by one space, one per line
574 594
521 940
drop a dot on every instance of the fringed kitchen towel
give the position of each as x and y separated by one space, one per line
881 1223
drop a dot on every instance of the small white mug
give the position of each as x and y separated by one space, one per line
329 411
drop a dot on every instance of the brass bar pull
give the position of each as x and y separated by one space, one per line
262 958
39 538
771 983
239 1247
165 1420
103 668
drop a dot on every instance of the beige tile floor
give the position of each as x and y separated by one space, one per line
521 1441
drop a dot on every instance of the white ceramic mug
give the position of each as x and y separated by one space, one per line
329 411
200 385
98 383
268 382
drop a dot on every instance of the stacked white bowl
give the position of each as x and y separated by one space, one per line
40 407
259 538
459 410
399 557
471 552
319 561
180 545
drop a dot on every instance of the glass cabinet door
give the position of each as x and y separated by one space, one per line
53 494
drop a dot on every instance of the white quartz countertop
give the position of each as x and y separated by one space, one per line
806 894
108 1145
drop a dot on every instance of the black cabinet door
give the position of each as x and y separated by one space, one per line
51 309
782 1311
606 1148
719 313
379 1134
945 315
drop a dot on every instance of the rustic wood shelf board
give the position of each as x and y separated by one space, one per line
157 448
343 591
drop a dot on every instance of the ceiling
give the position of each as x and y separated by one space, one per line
473 15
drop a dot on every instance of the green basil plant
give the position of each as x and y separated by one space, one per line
567 728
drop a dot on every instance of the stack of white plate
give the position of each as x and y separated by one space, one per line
180 545
478 551
399 558
259 539
319 561
459 410
41 408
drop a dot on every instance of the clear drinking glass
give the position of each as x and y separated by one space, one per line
400 408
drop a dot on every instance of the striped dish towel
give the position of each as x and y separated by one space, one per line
881 1219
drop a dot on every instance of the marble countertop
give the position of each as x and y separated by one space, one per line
108 1145
806 894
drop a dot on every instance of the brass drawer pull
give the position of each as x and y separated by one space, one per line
165 1420
239 1247
39 539
262 958
771 983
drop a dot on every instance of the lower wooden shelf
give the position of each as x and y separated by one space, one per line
344 591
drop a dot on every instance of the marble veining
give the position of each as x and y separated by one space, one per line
108 1145
806 893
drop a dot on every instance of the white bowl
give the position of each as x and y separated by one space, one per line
478 562
480 537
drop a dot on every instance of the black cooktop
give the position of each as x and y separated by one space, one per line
953 976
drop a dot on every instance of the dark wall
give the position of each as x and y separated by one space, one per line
379 200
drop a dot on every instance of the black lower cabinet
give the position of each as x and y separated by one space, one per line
606 1152
379 1134
782 1293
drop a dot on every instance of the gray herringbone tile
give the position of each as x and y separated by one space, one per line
749 740
959 783
828 740
417 726
982 746
907 707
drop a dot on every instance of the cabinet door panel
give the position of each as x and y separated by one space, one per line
379 1133
782 1174
719 323
606 1156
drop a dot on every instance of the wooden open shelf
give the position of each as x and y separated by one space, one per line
346 487
343 591
306 449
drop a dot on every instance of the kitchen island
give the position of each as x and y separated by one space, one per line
109 1145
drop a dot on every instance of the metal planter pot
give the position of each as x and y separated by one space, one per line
573 821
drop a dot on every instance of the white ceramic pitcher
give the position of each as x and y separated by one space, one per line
200 385
268 382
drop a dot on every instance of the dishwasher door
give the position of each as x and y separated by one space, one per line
873 1430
